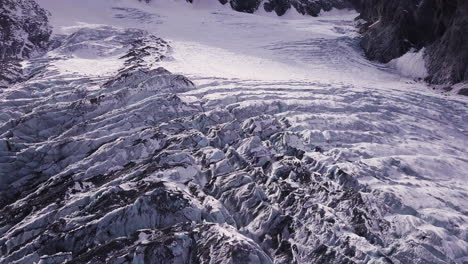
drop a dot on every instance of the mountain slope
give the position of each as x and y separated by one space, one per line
279 7
24 32
441 26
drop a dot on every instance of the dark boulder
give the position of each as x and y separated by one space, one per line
279 6
247 6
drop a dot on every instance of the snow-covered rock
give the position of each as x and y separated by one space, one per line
24 32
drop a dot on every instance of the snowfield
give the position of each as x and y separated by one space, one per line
270 137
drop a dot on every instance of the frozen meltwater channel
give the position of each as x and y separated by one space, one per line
390 132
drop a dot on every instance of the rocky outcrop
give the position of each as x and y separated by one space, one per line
305 7
280 7
24 32
448 54
247 6
392 28
24 29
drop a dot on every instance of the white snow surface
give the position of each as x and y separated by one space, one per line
387 130
411 64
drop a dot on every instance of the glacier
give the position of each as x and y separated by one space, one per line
176 133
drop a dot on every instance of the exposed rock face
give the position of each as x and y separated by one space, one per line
248 6
448 55
24 29
389 28
305 7
24 32
392 28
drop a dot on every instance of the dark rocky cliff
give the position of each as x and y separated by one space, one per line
24 32
305 7
392 28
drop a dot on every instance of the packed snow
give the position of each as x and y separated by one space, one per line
411 64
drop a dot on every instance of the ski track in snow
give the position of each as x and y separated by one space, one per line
390 132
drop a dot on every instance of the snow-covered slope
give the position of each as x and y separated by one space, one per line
174 133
